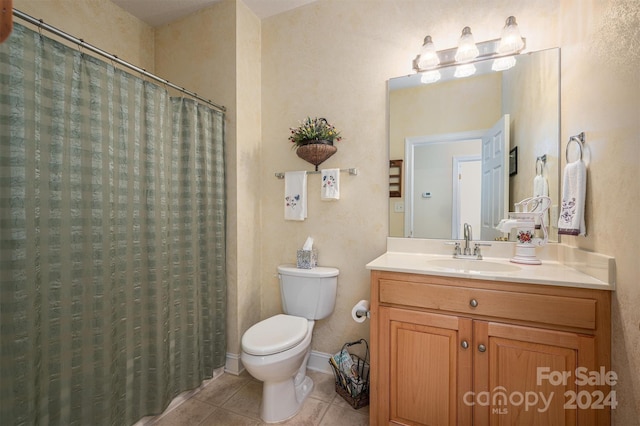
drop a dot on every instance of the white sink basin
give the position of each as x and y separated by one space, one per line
469 265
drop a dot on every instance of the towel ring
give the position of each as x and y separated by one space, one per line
577 139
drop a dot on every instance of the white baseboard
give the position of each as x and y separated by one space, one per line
318 361
233 365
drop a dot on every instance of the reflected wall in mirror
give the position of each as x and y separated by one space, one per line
446 131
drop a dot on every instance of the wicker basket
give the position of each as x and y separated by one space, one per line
356 394
316 152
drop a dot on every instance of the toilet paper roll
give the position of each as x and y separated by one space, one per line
363 307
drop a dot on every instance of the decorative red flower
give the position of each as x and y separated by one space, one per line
524 236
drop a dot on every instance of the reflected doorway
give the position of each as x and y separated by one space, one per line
430 198
467 191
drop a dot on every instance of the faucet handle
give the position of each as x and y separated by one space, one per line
456 250
476 249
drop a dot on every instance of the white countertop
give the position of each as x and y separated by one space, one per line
598 273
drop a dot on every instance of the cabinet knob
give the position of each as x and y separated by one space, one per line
464 344
473 303
482 348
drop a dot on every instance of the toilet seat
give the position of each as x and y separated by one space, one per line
275 334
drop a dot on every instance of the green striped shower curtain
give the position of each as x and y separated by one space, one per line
112 239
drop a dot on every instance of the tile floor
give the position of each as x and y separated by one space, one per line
235 400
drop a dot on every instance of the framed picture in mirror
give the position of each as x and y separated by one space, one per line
513 161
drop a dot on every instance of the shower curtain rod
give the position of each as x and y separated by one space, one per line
41 24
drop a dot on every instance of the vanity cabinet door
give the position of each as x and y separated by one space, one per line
426 367
530 376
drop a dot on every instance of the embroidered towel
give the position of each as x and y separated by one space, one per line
330 184
574 189
295 195
541 189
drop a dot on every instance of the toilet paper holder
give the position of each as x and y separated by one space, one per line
363 313
360 311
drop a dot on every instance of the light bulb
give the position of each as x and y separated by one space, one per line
467 49
430 77
502 64
511 41
428 55
465 70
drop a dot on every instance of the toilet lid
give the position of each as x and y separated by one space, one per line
275 334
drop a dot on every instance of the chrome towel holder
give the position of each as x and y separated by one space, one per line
579 139
352 171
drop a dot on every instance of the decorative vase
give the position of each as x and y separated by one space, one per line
316 151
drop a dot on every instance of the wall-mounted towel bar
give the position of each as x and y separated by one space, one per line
352 171
579 139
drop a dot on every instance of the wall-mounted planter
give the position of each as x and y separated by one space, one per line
316 151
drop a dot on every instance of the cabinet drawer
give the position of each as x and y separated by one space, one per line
546 309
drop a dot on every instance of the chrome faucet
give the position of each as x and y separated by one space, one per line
467 237
466 252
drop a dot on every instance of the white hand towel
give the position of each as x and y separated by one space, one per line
295 195
574 190
541 189
330 184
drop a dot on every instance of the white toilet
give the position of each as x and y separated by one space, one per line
276 350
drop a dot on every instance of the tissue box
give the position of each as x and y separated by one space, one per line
307 259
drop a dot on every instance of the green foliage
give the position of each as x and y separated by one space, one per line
313 129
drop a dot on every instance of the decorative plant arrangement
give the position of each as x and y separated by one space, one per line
313 140
314 130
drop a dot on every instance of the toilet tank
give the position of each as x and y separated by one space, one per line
308 293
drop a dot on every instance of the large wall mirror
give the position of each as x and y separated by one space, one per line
456 132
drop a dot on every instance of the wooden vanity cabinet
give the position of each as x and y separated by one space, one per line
450 351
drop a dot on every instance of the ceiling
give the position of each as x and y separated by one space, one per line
160 12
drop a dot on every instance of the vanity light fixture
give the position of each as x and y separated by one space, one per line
502 50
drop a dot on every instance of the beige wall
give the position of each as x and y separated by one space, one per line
220 46
249 166
332 59
440 112
100 23
535 126
601 96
